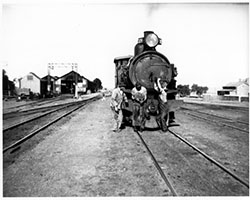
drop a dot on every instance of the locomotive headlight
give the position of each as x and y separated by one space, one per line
152 40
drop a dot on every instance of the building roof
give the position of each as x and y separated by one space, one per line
73 72
32 74
45 78
230 90
237 84
35 75
123 58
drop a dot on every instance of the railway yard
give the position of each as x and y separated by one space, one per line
64 147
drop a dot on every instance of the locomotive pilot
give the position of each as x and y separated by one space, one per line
139 96
162 118
117 98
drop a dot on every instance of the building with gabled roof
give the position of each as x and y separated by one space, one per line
240 89
67 83
48 83
32 82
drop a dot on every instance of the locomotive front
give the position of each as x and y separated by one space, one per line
148 64
145 67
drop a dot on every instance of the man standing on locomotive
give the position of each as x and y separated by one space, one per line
117 98
139 96
162 119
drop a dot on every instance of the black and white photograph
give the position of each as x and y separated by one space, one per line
105 98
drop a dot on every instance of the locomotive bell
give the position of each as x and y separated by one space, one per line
139 48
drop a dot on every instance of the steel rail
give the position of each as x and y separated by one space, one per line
27 104
242 122
39 108
157 166
40 129
207 113
225 124
231 119
227 106
37 117
211 159
36 102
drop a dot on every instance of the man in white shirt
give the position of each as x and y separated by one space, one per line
161 87
117 98
139 96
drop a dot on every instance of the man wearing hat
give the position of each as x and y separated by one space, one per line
117 98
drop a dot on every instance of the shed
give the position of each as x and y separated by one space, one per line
32 82
240 88
67 83
51 81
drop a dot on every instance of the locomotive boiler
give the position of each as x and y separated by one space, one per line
145 66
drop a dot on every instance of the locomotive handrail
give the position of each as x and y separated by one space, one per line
150 52
172 91
161 64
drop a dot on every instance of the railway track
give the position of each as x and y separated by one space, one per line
157 165
35 116
18 133
224 168
219 106
26 110
9 118
166 176
34 103
240 125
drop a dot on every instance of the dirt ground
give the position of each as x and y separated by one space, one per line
81 156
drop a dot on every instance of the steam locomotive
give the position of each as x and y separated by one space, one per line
145 67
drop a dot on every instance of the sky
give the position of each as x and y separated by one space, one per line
207 42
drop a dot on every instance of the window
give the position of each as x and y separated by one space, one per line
30 78
125 62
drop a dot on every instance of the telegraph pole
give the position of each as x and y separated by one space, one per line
76 81
48 86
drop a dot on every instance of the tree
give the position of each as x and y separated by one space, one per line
194 88
5 83
183 90
8 86
199 89
12 87
98 84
